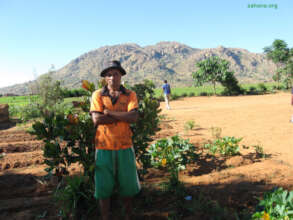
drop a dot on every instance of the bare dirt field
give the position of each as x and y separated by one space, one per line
233 181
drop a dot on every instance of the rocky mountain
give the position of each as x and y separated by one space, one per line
165 60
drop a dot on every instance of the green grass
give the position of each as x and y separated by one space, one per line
209 89
23 100
196 90
17 100
68 100
179 91
269 85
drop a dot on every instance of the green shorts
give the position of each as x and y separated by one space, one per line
116 168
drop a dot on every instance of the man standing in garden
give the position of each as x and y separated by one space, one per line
113 108
167 93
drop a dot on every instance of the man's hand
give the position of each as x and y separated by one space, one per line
129 117
101 118
106 112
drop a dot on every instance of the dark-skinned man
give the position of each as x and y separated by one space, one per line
113 108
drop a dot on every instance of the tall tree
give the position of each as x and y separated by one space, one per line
214 69
279 53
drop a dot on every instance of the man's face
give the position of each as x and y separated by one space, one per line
113 78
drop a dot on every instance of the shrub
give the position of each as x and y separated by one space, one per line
75 198
203 94
147 124
226 146
276 204
29 111
174 96
73 92
184 94
252 90
262 87
191 94
161 98
26 112
230 82
174 154
50 92
259 151
189 125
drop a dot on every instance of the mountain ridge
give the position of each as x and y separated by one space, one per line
165 60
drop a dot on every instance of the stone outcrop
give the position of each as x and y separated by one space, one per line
4 113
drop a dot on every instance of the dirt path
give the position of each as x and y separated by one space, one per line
260 120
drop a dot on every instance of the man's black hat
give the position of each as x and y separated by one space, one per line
114 64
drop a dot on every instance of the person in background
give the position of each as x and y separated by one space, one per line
167 93
113 108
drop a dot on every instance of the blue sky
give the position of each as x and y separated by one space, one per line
38 33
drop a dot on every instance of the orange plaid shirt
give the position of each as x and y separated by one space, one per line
117 135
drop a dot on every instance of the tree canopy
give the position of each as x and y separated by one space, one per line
281 55
215 69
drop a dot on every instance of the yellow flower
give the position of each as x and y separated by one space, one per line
266 216
164 162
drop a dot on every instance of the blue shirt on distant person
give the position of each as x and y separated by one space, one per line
166 88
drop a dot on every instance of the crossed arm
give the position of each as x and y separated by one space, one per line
109 117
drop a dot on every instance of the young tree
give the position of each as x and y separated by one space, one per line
214 69
279 53
50 91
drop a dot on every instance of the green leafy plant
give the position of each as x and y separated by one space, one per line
259 151
147 124
227 146
75 198
275 205
174 154
189 125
